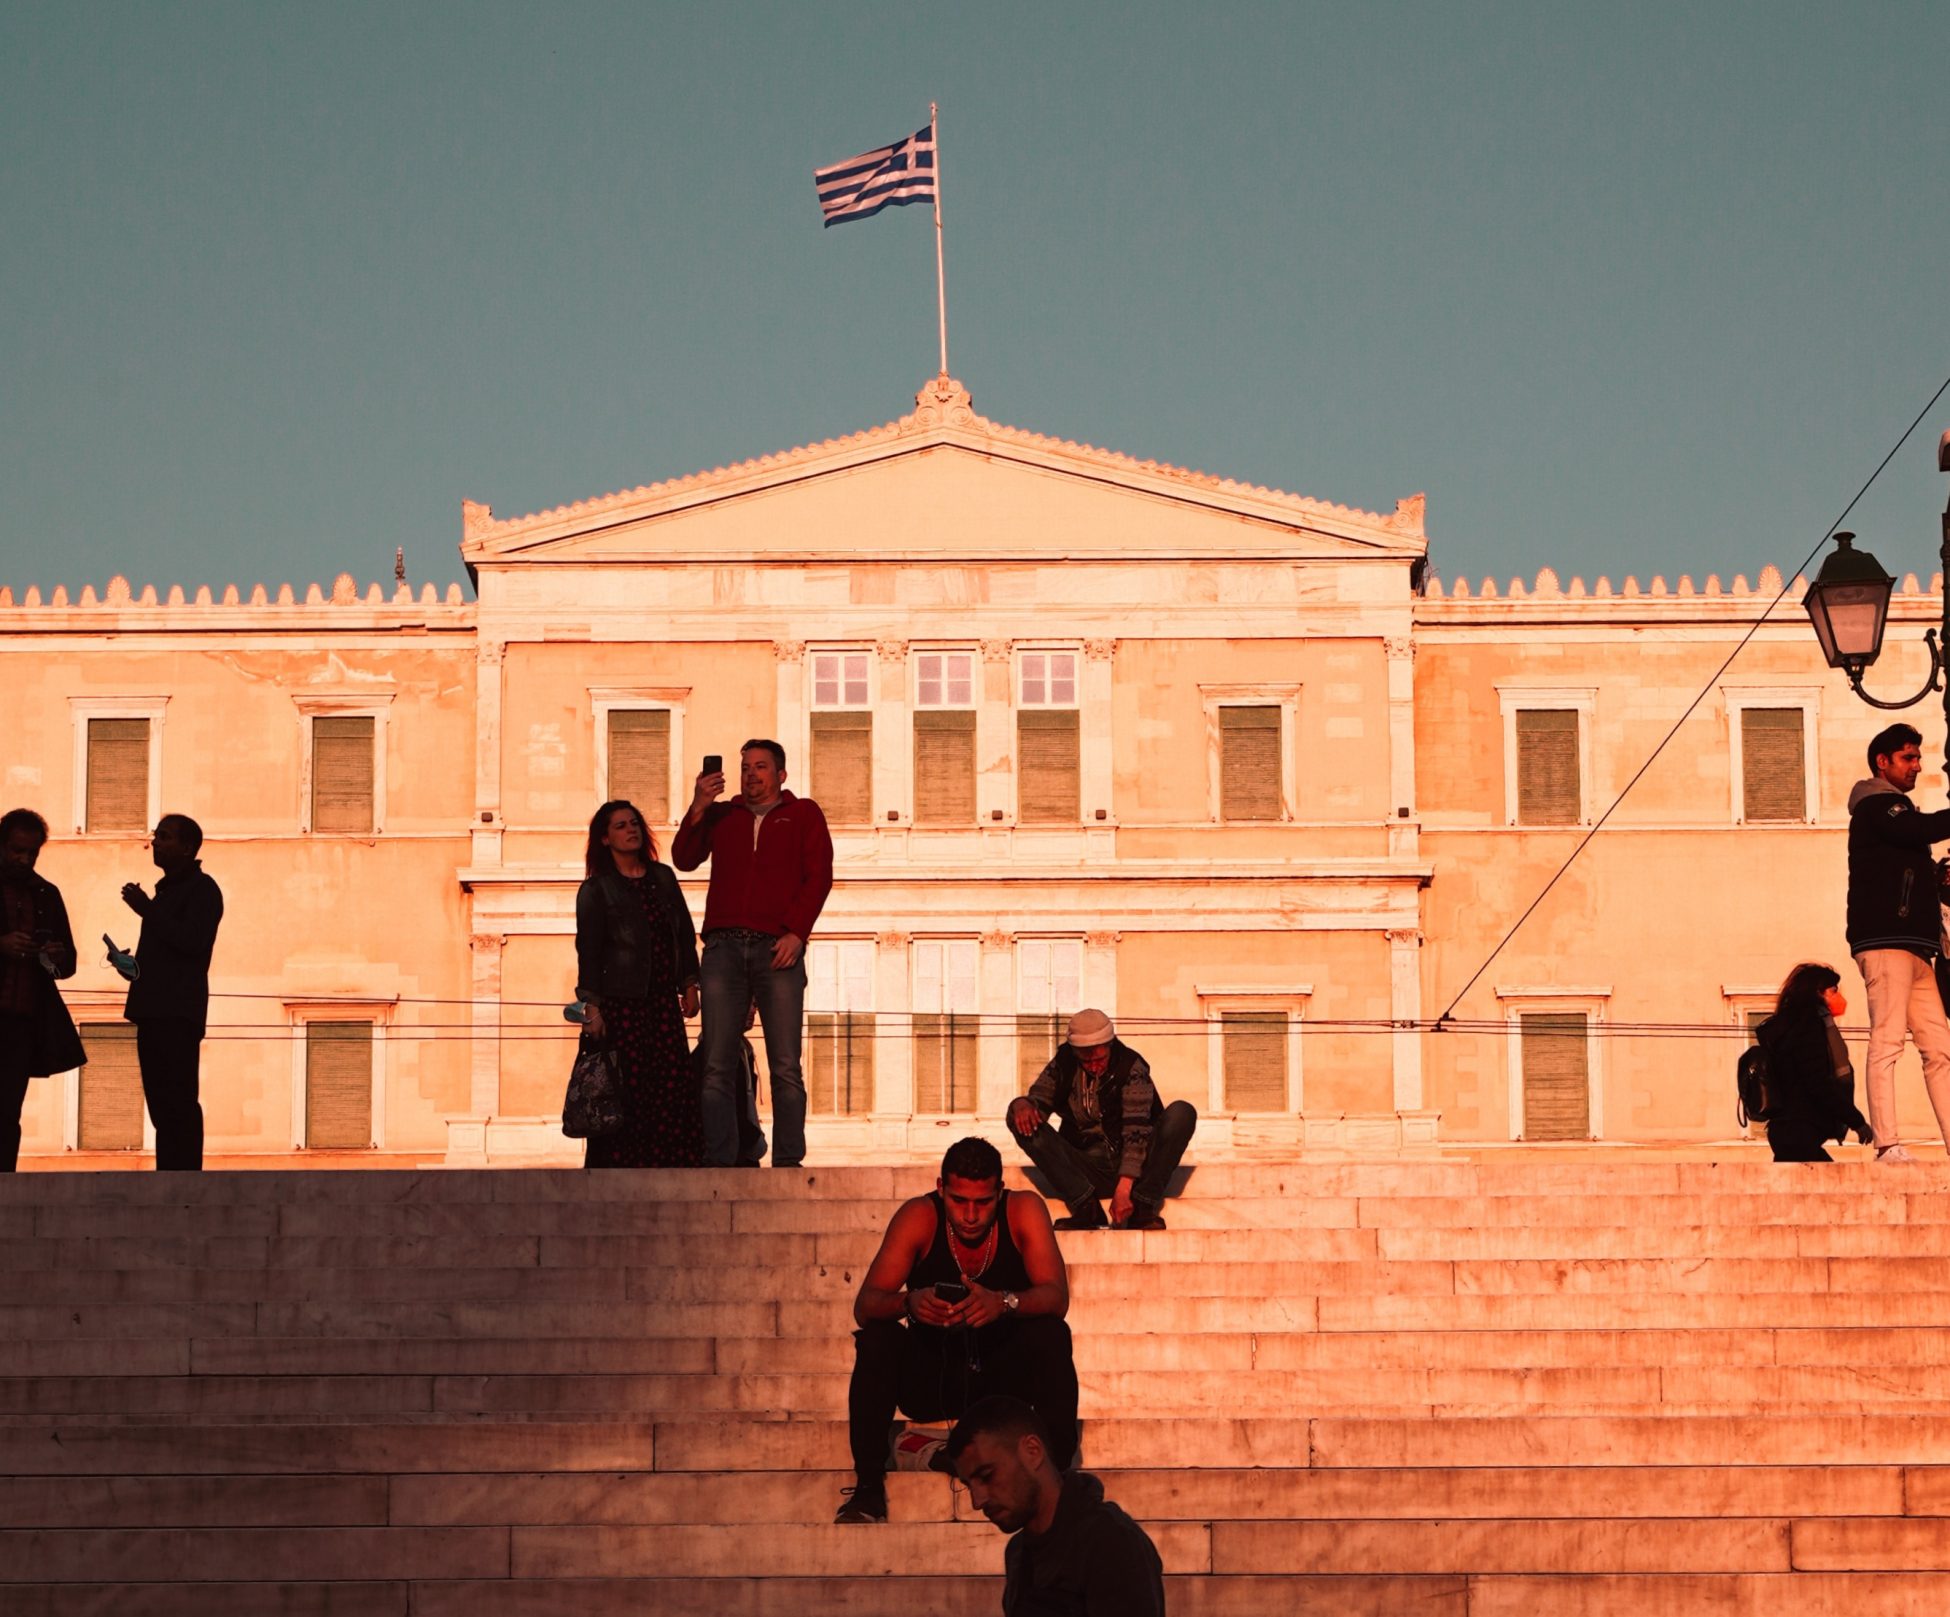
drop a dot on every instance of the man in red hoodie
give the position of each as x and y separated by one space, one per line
771 869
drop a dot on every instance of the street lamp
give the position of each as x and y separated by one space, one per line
1848 604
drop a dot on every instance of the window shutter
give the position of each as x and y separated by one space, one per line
338 1085
838 1063
111 1084
1046 756
945 1056
1547 767
639 761
944 767
1254 1049
1249 763
1556 1077
842 766
118 775
1036 1040
1774 782
342 775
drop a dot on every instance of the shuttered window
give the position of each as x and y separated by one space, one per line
842 766
946 1050
338 1085
118 775
342 774
1556 1076
1037 1039
111 1086
1249 763
1254 1053
1548 791
839 1063
1047 761
944 767
639 761
1773 765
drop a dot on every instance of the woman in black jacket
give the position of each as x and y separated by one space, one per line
636 970
37 1036
1810 1081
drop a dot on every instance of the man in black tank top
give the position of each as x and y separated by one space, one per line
965 1298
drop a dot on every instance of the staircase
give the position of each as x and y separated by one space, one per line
1486 1387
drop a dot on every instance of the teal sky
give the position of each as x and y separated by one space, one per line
1643 287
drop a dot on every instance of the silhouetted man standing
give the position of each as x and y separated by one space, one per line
169 1001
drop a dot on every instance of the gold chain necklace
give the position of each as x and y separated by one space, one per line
986 1251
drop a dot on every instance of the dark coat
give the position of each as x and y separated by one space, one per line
1127 1100
1094 1559
179 934
1805 1098
53 1044
612 949
1892 880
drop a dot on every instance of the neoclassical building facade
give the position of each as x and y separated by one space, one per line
1235 765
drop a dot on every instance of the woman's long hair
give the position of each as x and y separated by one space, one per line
596 858
1801 993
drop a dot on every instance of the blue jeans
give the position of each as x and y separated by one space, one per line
736 972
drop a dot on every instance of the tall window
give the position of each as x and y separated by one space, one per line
111 1088
118 775
639 760
1556 1075
1549 771
342 774
1773 765
1049 990
839 1028
842 736
1250 762
1047 754
947 997
1253 1051
338 1085
944 738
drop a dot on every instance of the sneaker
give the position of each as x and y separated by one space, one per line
861 1505
1093 1220
1893 1153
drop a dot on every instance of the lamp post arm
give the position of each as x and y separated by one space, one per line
1932 683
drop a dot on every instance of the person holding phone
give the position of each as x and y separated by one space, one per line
37 1036
965 1297
771 860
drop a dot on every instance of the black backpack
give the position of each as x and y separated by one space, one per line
1750 1076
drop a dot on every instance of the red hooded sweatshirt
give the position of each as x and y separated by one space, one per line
769 873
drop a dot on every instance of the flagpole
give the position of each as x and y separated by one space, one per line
940 267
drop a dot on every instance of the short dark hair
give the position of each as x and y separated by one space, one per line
972 1158
777 752
1891 741
23 819
187 829
996 1416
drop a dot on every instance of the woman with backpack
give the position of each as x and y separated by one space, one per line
1810 1081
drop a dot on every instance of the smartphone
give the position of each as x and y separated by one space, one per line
951 1291
713 764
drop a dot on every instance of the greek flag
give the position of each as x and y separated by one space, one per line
861 186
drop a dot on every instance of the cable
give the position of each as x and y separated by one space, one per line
1713 679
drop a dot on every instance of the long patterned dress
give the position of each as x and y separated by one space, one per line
662 1125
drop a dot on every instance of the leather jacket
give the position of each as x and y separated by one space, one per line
612 948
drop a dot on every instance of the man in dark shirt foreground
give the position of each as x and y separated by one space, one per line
1073 1551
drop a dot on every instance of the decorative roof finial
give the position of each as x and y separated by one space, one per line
399 564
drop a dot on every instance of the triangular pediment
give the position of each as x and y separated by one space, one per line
942 482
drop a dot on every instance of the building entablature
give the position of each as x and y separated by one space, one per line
1548 601
121 610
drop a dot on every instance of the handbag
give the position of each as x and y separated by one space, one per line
593 1104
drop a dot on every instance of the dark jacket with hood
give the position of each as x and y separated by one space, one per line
1118 1108
612 941
1892 880
53 1044
1093 1562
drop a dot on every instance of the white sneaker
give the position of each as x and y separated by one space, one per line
1893 1153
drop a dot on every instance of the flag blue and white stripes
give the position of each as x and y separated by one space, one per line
889 177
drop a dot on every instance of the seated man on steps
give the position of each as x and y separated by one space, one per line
1117 1140
965 1297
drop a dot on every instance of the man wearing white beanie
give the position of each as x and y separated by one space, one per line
1117 1139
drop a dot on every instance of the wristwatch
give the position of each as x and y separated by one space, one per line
1011 1301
